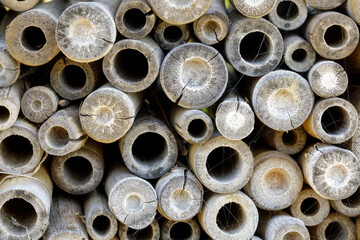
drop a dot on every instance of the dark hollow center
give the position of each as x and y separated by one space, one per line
336 230
101 225
289 138
287 10
229 217
78 170
255 47
172 34
33 38
223 163
335 120
197 128
310 206
335 36
73 78
16 150
353 201
180 230
299 55
4 114
131 65
149 148
146 233
134 19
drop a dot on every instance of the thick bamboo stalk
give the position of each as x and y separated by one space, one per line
254 47
86 31
73 80
332 172
289 15
20 6
310 207
180 194
222 165
213 26
132 200
193 125
134 18
352 10
151 232
186 230
348 206
276 181
193 75
282 100
254 9
149 148
332 120
232 216
333 35
81 171
324 4
99 221
62 133
169 36
30 37
328 79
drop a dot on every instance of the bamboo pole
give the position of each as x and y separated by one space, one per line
185 230
20 6
324 4
151 232
352 10
253 9
348 206
169 36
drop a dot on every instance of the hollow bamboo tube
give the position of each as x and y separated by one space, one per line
333 35
234 118
169 36
186 230
352 10
30 37
332 120
348 206
357 226
73 80
81 171
65 221
282 100
178 13
276 181
288 15
62 133
213 26
290 142
254 47
86 31
149 148
231 216
332 172
133 65
299 55
20 6
310 207
193 75
134 18
25 205
131 199
255 238
100 222
253 9
180 194
151 232
39 103
328 79
193 125
222 165
324 4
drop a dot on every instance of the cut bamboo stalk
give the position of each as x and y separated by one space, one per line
186 230
99 221
132 200
169 36
222 165
254 9
81 171
193 125
213 26
352 10
194 75
10 104
30 37
20 150
73 80
149 148
86 31
357 226
282 100
25 205
39 103
324 4
254 47
62 132
20 6
151 232
354 143
348 206
328 79
234 118
290 142
332 120
255 238
179 12
134 18
332 172
180 195
133 65
310 207
289 15
352 62
108 113
65 219
333 35
232 216
299 55
276 181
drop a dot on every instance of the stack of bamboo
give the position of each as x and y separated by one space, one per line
186 119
